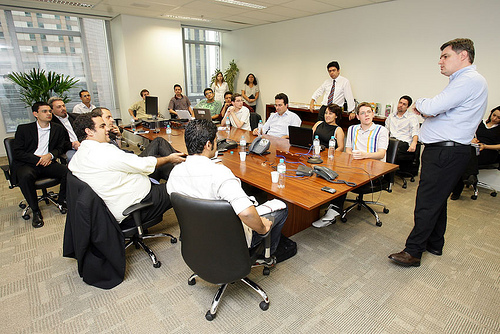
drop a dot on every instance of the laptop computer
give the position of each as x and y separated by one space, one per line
300 137
183 115
202 113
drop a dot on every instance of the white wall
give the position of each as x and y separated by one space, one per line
148 53
386 50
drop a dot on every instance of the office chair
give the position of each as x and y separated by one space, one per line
41 184
383 183
254 120
409 165
213 245
97 241
495 166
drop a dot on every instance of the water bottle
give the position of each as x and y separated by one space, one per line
317 147
132 125
228 127
260 128
243 144
282 170
331 148
168 130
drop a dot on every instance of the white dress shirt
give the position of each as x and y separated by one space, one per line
277 125
342 92
403 128
81 108
65 121
43 140
200 177
119 178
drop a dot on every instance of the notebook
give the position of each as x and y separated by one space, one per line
300 137
202 113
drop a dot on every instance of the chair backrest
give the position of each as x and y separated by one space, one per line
254 120
8 143
392 150
213 242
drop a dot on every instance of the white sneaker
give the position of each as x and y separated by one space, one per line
323 223
330 214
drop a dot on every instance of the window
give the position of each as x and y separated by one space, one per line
84 60
202 58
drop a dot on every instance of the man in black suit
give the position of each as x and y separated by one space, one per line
36 146
62 117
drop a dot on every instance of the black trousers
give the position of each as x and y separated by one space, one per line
27 175
161 203
159 147
441 169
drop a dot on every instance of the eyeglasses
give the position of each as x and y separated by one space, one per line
208 93
362 113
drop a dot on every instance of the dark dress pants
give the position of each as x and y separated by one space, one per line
279 220
441 169
159 147
27 175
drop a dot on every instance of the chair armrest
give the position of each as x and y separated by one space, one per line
136 207
6 171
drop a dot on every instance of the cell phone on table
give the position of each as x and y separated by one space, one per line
329 190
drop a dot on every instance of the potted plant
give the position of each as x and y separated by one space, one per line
229 74
36 85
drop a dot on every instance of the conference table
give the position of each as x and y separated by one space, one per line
303 195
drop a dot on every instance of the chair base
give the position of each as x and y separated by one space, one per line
138 241
212 312
485 186
360 202
403 175
48 197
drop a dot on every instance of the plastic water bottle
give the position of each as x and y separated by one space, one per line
132 125
228 127
243 144
316 145
282 170
331 148
168 130
260 127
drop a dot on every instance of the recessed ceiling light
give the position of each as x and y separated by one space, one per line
69 3
185 18
241 3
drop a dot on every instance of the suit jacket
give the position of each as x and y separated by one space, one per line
71 118
93 237
26 143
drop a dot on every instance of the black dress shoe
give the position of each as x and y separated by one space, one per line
37 219
454 197
434 251
405 259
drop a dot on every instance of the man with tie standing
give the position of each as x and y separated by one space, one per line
336 90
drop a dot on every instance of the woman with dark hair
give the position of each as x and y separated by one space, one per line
250 91
219 87
488 141
328 128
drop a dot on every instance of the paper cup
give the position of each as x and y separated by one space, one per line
275 176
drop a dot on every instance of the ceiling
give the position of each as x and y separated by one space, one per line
202 13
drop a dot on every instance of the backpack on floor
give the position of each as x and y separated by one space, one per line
286 249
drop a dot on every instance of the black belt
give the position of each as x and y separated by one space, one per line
445 144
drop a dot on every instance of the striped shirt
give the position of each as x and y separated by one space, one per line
371 140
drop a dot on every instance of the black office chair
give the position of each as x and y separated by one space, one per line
97 241
409 165
41 184
382 183
213 245
254 120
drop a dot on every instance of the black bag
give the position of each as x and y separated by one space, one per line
286 249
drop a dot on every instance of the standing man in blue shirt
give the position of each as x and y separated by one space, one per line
451 119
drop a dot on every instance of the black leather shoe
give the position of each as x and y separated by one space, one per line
37 219
434 251
405 259
454 197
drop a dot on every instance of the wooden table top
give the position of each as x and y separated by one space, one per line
302 191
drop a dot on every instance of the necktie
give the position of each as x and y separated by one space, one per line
330 96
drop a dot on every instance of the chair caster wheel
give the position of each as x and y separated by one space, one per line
173 240
385 210
266 271
378 224
209 316
264 306
412 179
157 264
22 205
494 194
63 211
26 216
192 281
474 197
405 186
343 220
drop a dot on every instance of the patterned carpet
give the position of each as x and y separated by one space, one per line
339 282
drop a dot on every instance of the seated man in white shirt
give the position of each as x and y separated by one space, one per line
237 115
201 177
119 178
85 105
403 125
278 122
